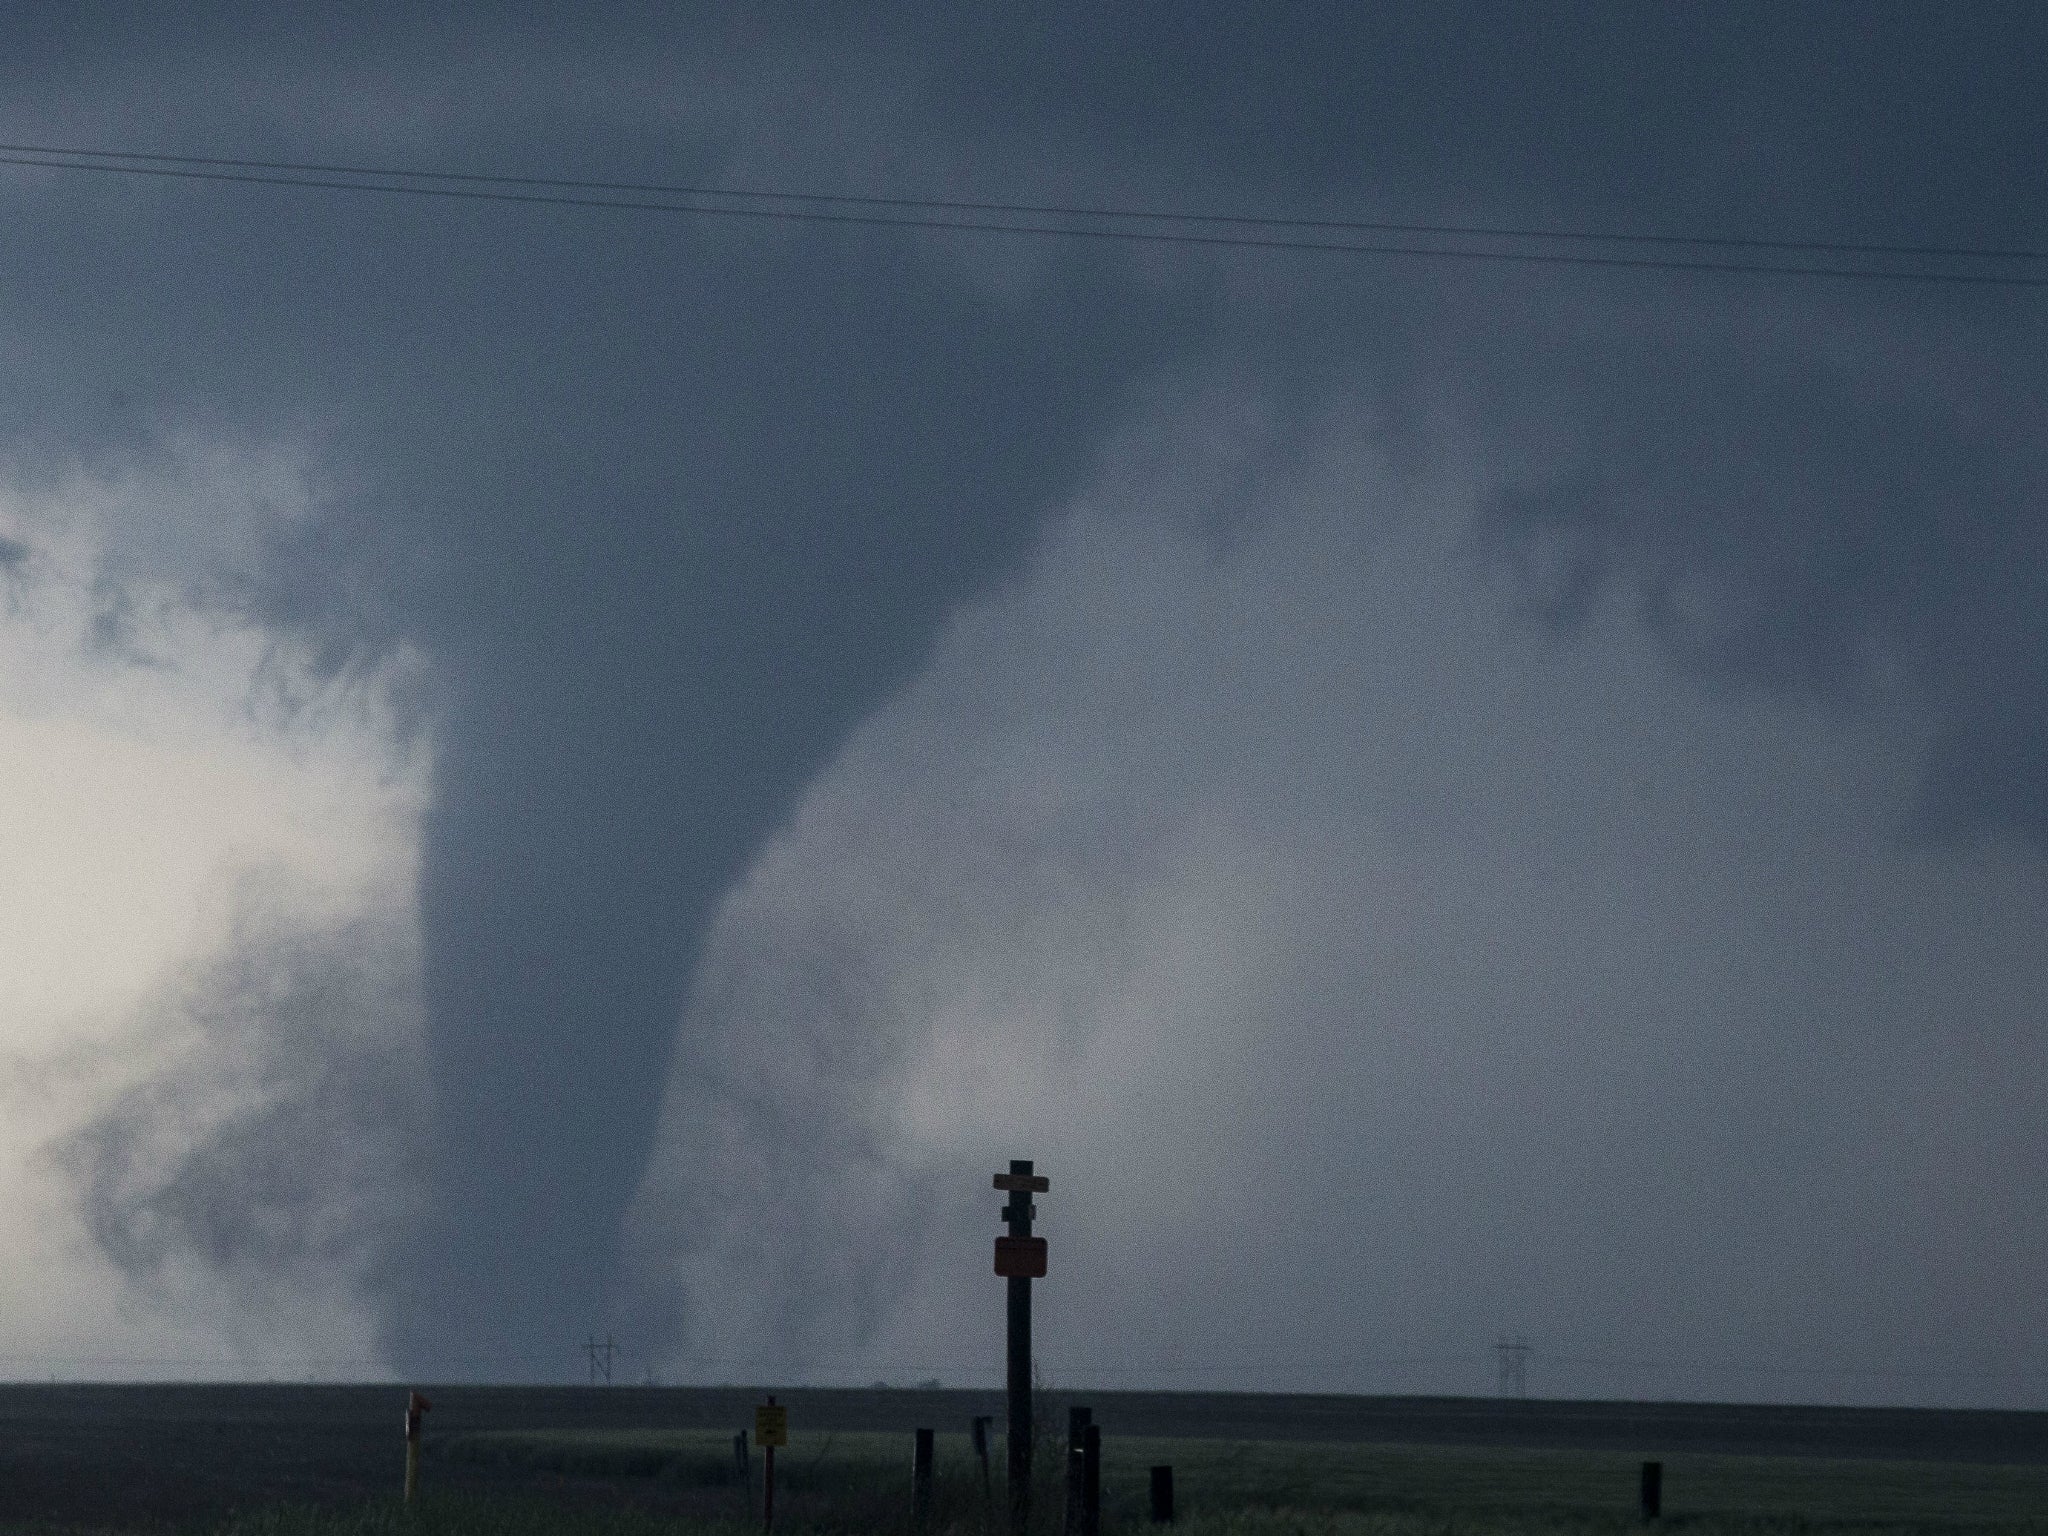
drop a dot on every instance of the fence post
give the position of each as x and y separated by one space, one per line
1162 1495
1077 1451
921 1479
770 1433
1091 1480
1653 1489
981 1423
415 1406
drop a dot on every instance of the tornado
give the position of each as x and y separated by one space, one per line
650 629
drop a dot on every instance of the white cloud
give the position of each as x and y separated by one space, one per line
188 809
1369 973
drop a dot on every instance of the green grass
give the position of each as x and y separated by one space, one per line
682 1483
1581 1485
1387 1490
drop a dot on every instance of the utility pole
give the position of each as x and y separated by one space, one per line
1020 1258
600 1358
1513 1353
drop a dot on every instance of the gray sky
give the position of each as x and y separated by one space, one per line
574 770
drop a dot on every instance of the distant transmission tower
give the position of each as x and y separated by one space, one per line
600 1358
1513 1355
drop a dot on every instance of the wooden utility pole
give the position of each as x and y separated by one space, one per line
1020 1258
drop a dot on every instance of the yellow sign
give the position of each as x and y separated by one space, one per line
771 1426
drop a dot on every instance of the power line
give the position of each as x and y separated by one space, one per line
1212 230
1059 210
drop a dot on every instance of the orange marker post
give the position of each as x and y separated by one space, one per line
415 1406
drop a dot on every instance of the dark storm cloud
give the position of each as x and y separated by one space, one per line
1789 511
1790 485
670 506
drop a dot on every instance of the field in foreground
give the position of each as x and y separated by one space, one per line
498 1518
311 1461
1387 1487
854 1481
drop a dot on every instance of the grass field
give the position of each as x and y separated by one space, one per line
290 1461
1390 1489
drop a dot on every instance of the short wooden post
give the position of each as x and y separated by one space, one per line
1077 1450
1653 1489
1091 1480
767 1469
743 1467
1162 1495
415 1407
979 1435
921 1479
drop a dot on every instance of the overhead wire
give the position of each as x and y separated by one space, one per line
1197 229
1062 210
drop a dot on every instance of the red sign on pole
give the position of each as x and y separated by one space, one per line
1021 1257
